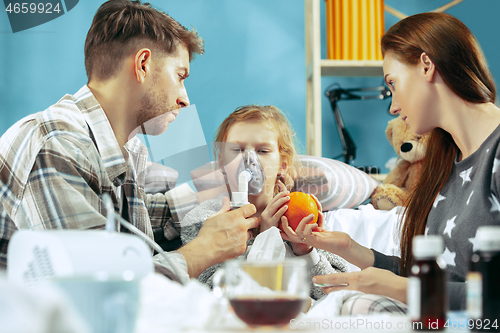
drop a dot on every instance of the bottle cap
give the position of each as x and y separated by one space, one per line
427 246
488 238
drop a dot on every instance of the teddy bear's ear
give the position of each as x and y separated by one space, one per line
388 130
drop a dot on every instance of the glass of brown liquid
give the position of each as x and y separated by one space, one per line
264 293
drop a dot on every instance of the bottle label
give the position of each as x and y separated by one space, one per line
413 298
474 295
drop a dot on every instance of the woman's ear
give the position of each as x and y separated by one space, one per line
428 67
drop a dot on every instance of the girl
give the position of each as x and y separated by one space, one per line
264 129
440 84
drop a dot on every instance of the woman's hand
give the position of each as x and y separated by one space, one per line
301 243
336 242
275 209
370 280
314 235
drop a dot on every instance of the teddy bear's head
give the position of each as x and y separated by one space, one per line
408 146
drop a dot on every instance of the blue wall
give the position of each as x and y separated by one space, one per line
366 120
254 54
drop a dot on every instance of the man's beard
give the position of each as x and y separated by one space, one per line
151 116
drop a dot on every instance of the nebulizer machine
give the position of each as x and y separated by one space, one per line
99 270
251 178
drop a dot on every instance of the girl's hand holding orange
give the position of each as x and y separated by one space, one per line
300 206
303 209
308 234
271 216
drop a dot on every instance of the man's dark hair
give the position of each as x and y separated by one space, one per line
121 27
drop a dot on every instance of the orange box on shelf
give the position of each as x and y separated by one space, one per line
354 29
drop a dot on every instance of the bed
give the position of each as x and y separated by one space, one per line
343 190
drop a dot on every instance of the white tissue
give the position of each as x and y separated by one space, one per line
166 306
268 246
330 305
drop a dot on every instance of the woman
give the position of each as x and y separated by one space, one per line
440 84
265 130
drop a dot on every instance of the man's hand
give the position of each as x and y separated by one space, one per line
223 236
229 231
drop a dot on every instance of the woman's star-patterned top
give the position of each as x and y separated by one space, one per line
469 199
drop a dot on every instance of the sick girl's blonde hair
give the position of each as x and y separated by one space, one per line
276 119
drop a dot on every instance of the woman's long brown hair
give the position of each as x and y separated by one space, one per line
461 63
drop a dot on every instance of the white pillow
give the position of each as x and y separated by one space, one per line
159 178
340 186
334 183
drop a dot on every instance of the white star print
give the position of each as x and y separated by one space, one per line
496 164
426 230
474 243
495 205
466 175
470 196
449 257
438 198
450 224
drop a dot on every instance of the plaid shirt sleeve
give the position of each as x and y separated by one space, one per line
55 166
175 203
63 190
56 188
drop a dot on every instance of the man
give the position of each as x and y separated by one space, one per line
56 165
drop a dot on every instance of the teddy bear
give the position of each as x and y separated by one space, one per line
399 182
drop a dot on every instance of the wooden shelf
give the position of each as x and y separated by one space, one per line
317 68
348 68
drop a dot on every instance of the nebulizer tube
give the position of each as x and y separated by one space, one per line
111 216
251 178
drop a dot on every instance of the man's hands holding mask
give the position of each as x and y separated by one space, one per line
223 236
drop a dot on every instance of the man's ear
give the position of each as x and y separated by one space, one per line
142 64
428 66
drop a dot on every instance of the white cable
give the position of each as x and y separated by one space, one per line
110 226
110 221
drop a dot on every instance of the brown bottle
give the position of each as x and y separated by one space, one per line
427 301
483 282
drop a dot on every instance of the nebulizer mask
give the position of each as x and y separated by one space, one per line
251 178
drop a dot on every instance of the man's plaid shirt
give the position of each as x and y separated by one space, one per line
56 164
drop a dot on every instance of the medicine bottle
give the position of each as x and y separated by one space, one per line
483 282
427 300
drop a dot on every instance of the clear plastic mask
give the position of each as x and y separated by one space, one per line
250 162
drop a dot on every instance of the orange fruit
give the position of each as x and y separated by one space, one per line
300 205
